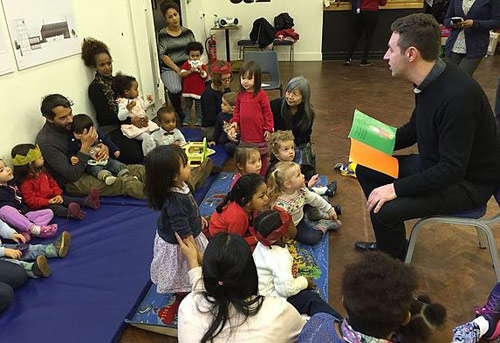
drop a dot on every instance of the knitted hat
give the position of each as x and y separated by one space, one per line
271 225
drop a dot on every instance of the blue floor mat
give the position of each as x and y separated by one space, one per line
154 311
93 288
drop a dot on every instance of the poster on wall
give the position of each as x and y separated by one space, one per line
41 30
5 61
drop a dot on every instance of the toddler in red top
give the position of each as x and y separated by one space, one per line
235 214
194 74
252 116
39 190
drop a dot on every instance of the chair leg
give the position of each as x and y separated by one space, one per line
493 248
481 238
413 240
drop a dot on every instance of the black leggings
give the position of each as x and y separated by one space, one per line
61 210
12 276
365 21
176 100
130 149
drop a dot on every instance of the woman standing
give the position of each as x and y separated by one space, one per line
470 35
172 42
295 112
96 54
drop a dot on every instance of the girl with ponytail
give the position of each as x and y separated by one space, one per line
235 214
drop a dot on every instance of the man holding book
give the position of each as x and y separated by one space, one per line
458 164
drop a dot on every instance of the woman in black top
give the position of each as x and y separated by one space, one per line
172 42
96 54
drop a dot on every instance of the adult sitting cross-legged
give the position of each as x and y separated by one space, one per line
458 164
54 139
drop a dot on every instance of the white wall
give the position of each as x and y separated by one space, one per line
112 22
307 16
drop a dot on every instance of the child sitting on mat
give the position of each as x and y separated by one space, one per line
287 190
273 228
15 213
222 123
105 170
282 149
168 132
166 174
40 190
235 214
32 257
247 160
131 105
168 135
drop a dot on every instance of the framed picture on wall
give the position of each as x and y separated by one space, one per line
41 30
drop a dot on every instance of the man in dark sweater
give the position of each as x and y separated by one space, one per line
458 165
53 140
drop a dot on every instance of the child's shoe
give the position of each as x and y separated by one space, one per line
197 122
41 267
337 209
47 231
332 188
347 62
123 172
106 177
92 200
62 244
491 312
325 225
75 211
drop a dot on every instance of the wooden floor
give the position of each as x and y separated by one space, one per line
452 269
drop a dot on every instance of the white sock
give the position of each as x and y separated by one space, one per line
483 325
319 190
35 230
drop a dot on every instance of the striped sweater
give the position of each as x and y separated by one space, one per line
174 47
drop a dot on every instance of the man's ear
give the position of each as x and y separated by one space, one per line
412 53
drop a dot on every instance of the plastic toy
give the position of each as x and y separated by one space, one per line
197 152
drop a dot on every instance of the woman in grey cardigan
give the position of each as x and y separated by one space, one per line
172 42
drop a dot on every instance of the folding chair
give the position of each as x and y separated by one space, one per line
268 62
472 218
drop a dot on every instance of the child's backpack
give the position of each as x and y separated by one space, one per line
283 21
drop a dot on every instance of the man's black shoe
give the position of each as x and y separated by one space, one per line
366 246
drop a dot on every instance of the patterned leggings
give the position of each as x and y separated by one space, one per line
466 333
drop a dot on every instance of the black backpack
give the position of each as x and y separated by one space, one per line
283 21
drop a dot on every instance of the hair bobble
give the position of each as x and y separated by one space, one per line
220 283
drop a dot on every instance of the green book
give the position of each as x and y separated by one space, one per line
373 133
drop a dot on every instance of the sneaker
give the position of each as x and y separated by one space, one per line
491 312
47 231
41 267
92 200
347 62
186 122
366 64
325 225
62 244
75 211
332 188
123 172
109 180
197 122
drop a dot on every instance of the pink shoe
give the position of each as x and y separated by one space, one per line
47 231
74 211
92 200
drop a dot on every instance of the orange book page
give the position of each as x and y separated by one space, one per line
372 158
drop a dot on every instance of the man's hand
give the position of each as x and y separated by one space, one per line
379 196
103 153
467 24
13 253
88 138
18 238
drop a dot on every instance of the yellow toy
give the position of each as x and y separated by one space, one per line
197 152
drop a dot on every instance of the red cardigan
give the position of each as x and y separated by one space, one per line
233 219
372 5
37 191
254 116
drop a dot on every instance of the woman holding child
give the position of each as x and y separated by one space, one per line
96 54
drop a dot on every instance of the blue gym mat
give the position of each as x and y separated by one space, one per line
154 312
93 288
